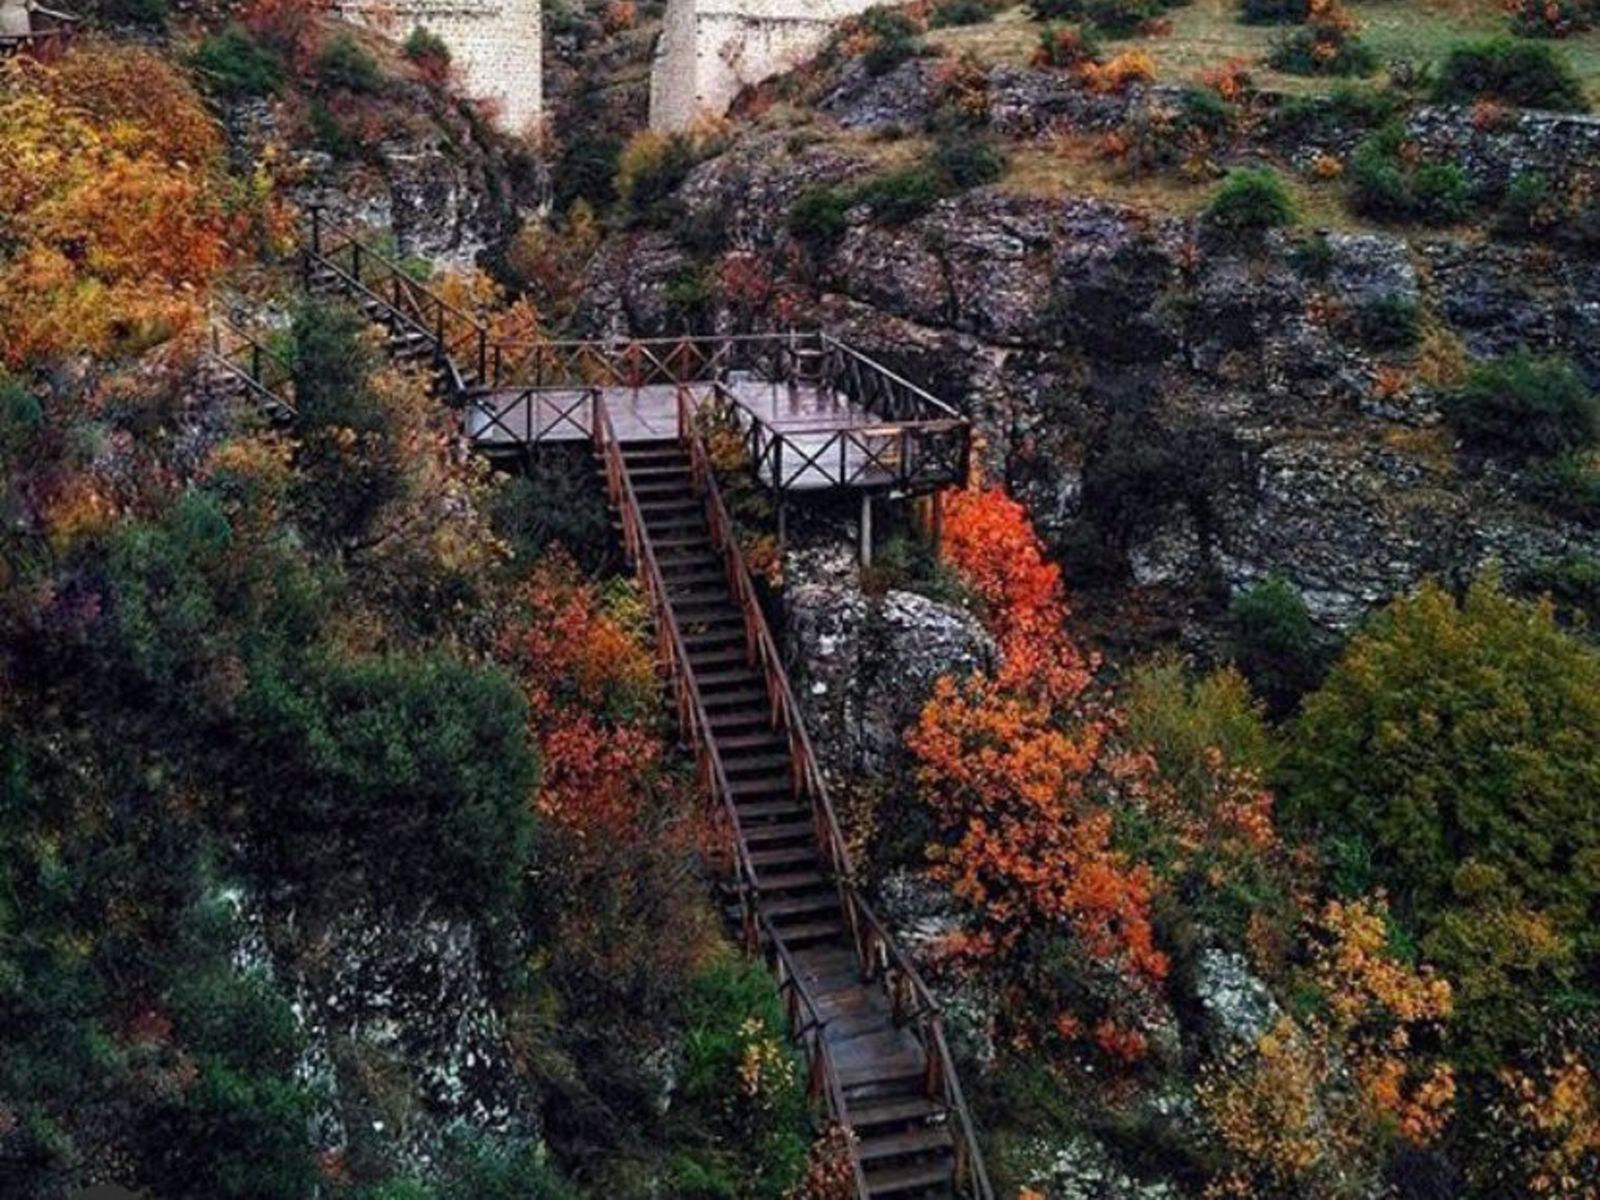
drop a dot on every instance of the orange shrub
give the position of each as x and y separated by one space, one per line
1133 66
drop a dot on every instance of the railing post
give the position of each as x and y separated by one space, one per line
355 260
316 229
255 362
483 355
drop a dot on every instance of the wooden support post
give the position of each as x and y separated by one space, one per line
865 532
938 521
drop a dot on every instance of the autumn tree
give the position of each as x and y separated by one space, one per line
115 209
1020 775
1453 754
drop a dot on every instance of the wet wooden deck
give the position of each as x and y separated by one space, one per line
808 419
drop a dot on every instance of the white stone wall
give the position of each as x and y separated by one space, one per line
496 47
710 49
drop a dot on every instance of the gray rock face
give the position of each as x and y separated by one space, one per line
1237 1007
863 667
401 1035
1079 1167
1088 340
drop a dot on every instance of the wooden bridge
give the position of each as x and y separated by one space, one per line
817 415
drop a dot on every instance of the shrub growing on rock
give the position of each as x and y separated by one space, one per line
1327 44
1525 407
1065 46
1250 200
968 162
818 217
960 12
1387 182
1274 12
344 64
1387 323
1550 18
1275 643
235 65
1530 74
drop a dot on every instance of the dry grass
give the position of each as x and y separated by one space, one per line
1207 33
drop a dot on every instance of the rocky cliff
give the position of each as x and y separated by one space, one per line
1186 413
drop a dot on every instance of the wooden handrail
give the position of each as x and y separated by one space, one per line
878 954
264 372
808 1025
408 302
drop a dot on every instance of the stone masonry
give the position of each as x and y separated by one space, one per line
710 49
495 45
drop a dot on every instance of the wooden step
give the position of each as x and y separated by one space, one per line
748 742
780 833
727 635
909 1178
792 881
786 856
780 812
885 1114
750 700
740 763
788 908
713 679
908 1143
780 784
810 933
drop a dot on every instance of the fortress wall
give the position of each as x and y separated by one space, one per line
496 47
710 49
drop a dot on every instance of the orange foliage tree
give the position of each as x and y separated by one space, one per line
114 206
591 692
1019 771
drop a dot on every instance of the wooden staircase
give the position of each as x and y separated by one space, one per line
420 327
876 1056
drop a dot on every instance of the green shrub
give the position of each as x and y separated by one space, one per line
1550 18
755 1148
1388 323
968 161
1530 206
1313 257
151 13
650 169
893 36
558 501
1066 46
345 65
426 47
329 136
1568 484
819 216
1120 18
235 65
1275 642
237 1137
901 196
1315 50
960 12
1524 407
1205 110
1573 582
1388 185
1250 200
1274 12
1056 10
422 766
1531 74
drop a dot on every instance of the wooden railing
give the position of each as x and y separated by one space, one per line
265 374
879 956
49 34
807 1025
458 341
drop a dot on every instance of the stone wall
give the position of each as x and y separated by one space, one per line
710 49
496 47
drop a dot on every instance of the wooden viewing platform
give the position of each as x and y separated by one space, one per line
815 415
